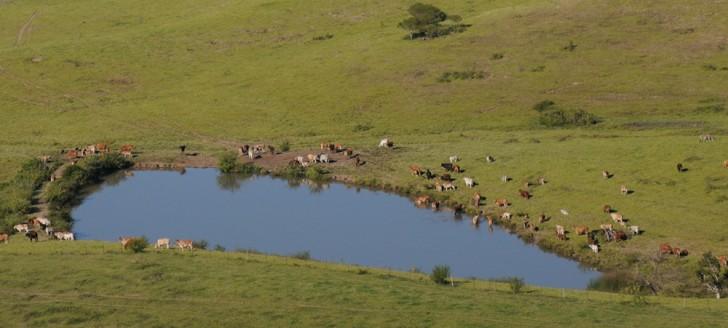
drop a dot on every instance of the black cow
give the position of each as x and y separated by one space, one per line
32 235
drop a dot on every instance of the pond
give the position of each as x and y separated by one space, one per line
335 223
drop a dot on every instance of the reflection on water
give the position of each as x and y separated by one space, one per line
334 222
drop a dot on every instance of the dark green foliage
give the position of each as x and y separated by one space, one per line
516 284
565 118
138 245
462 75
228 163
199 244
65 191
315 173
440 274
544 106
323 37
570 47
425 22
219 248
16 195
302 255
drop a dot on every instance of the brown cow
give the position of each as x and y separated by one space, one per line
127 148
184 243
125 242
415 170
525 194
607 209
502 202
581 230
72 154
476 199
102 148
725 164
620 235
4 238
423 200
665 249
349 152
339 148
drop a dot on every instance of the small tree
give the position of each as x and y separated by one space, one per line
711 275
228 163
516 284
425 22
137 245
440 274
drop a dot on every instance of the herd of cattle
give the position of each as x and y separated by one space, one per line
444 182
161 243
607 232
36 225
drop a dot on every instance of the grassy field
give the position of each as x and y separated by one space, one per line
92 284
214 74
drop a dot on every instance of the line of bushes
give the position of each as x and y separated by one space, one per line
553 116
16 195
64 192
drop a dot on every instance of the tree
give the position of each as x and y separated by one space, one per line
711 275
425 22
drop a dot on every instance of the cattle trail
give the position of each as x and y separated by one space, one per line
25 29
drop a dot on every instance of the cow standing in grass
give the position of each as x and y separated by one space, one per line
21 227
162 243
184 244
4 238
469 182
32 236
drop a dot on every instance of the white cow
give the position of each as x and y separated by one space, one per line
635 230
162 243
506 216
49 230
454 159
21 227
300 159
385 143
594 248
64 235
42 221
616 217
564 212
505 178
469 182
251 153
323 158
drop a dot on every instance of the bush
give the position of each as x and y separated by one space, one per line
544 106
65 191
219 248
315 173
425 22
228 163
462 75
137 245
303 255
440 274
562 118
516 284
199 244
284 146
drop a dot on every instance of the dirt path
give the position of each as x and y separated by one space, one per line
40 206
25 30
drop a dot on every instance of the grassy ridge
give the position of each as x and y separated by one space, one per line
87 284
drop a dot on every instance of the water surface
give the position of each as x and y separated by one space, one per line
335 223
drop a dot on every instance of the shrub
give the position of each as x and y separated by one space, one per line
302 255
543 106
284 146
137 245
425 22
315 173
219 248
462 75
323 37
292 172
199 244
561 118
228 163
516 284
65 191
440 274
